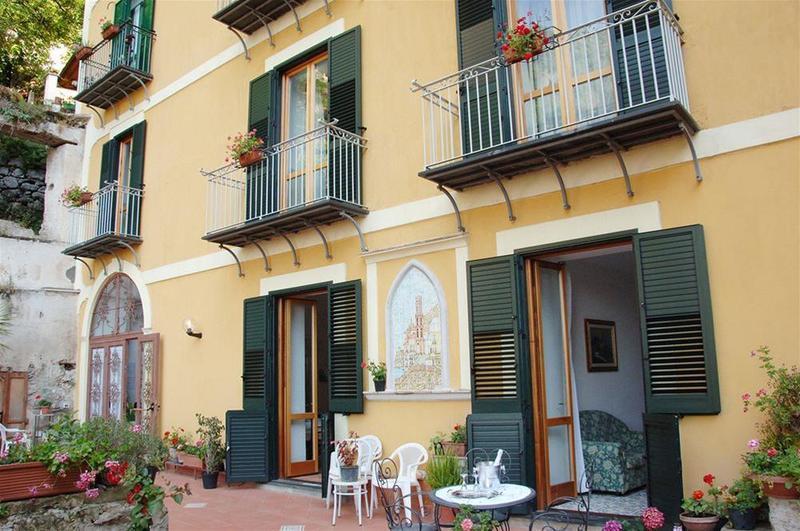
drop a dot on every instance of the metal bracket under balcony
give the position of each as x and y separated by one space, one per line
116 85
248 16
626 130
103 244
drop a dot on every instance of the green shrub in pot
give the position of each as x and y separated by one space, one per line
443 470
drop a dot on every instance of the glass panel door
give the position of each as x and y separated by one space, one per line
300 388
553 385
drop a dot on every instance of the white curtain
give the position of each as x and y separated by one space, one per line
580 466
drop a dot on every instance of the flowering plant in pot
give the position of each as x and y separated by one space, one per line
743 499
210 431
75 196
701 513
457 440
650 520
468 520
244 149
44 404
378 373
522 42
347 453
108 28
175 439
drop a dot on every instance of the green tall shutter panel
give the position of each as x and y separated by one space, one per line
137 154
494 431
664 468
494 336
261 191
345 374
108 163
106 203
145 39
148 7
122 11
258 359
246 435
259 114
677 325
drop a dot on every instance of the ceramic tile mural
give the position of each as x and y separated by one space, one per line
415 333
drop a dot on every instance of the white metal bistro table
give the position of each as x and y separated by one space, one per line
356 489
507 495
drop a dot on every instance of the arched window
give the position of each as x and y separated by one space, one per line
416 332
122 359
119 308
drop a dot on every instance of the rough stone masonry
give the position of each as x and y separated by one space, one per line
21 187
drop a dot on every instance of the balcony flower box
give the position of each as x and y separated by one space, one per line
18 480
251 157
109 32
83 52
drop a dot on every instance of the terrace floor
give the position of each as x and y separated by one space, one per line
265 507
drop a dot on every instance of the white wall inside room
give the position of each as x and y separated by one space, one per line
604 288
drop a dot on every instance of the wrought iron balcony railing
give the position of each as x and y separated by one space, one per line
116 67
306 180
110 220
602 72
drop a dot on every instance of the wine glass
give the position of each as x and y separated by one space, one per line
462 468
475 477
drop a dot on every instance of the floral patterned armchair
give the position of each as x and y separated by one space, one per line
616 452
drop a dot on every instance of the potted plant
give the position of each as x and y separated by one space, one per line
75 196
68 106
775 458
378 373
210 431
522 42
443 470
244 149
81 51
43 404
700 513
108 28
175 440
744 499
457 441
347 452
468 520
651 519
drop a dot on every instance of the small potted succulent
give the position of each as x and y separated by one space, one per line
744 499
108 28
244 149
378 373
75 196
701 513
522 42
213 451
347 452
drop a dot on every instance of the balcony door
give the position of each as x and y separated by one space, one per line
304 155
573 82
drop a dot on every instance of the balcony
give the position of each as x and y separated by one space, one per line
603 87
249 15
110 221
311 180
116 68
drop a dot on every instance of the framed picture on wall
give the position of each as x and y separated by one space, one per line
601 345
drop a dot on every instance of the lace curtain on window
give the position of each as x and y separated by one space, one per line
119 309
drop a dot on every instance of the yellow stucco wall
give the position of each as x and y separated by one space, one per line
748 203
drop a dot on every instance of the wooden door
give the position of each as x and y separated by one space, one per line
552 382
14 399
299 387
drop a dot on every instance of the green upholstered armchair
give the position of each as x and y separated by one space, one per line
614 451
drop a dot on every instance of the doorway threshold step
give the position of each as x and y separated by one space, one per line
294 486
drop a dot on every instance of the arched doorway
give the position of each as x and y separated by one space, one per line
123 360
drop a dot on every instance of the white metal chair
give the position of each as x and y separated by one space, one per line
357 490
4 438
409 457
376 452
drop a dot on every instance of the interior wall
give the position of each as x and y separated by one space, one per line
604 288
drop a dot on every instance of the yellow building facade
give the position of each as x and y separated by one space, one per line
575 220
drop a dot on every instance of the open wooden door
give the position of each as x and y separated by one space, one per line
552 385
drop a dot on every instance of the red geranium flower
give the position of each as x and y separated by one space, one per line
708 479
772 452
697 495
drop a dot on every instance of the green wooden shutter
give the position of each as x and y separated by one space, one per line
259 113
494 431
344 56
258 361
148 7
122 11
261 192
664 469
494 338
144 38
633 42
106 202
344 348
108 162
138 132
677 325
246 435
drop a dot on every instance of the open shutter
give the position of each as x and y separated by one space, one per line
677 325
105 203
344 56
494 351
477 24
144 37
133 198
492 432
108 162
634 42
344 348
258 359
246 440
664 469
259 114
148 382
263 178
122 11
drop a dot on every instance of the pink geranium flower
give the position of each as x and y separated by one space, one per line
753 443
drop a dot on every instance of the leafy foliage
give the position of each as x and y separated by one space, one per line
210 432
443 471
745 494
31 155
28 30
468 520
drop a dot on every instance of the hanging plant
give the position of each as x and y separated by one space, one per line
524 41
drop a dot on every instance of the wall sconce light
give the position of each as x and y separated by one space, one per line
189 327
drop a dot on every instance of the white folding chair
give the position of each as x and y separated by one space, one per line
409 457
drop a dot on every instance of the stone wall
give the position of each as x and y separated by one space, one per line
22 190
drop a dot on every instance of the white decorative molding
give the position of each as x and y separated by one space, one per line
433 396
462 256
373 323
443 243
331 273
306 43
644 217
444 340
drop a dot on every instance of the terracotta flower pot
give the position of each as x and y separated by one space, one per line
86 197
251 157
83 52
775 487
17 480
110 32
699 523
457 449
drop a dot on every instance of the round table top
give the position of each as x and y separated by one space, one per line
509 495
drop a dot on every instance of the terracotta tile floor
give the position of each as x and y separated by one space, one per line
264 508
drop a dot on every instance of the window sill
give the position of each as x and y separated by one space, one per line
433 396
